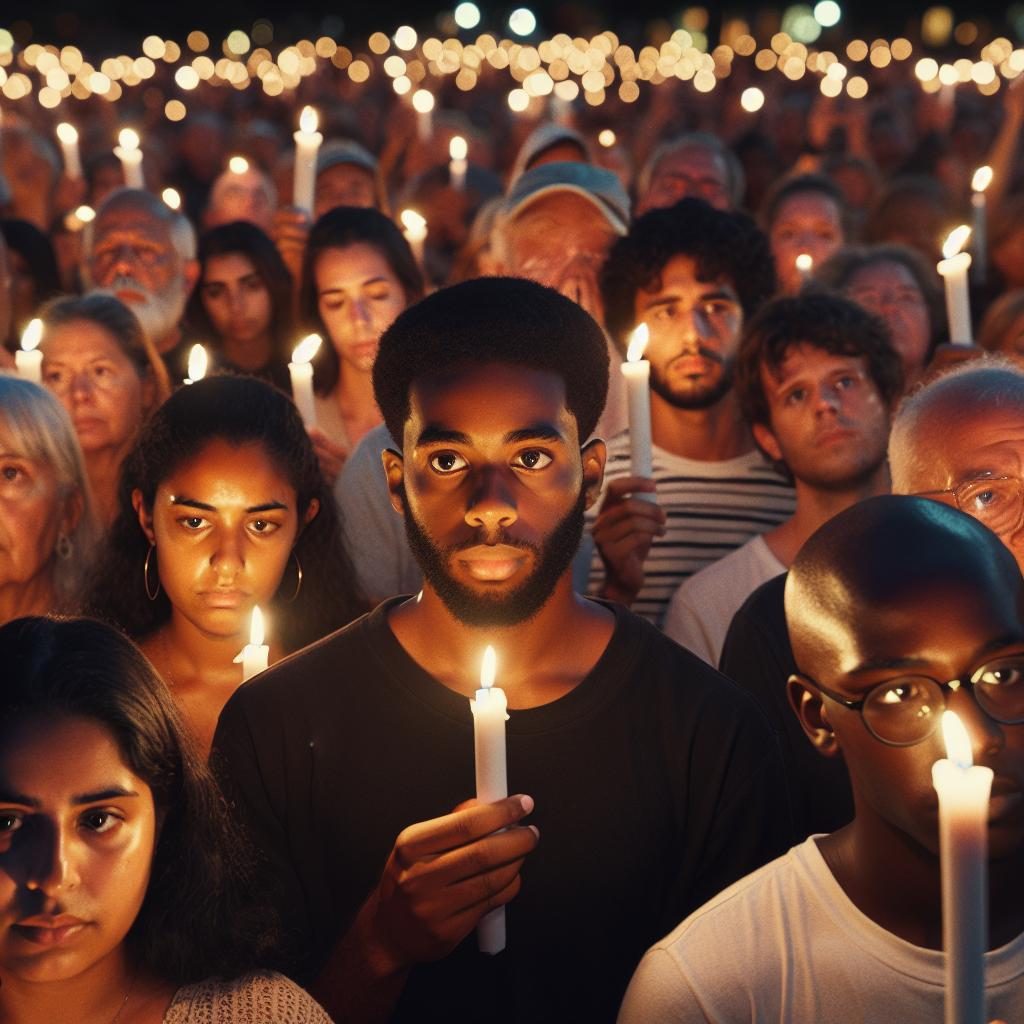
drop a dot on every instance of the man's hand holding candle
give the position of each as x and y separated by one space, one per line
624 530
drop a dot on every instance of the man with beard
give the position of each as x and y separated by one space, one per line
142 251
647 780
690 273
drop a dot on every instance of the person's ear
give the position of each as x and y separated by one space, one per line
73 508
594 455
394 472
766 442
810 711
311 512
144 514
190 271
149 393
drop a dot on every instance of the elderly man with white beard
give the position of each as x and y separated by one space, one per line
142 251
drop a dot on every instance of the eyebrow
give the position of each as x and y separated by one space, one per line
719 293
379 279
1006 640
108 793
535 432
269 506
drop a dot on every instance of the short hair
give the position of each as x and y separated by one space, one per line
493 320
199 916
38 427
785 188
826 322
337 229
179 227
735 179
720 243
36 250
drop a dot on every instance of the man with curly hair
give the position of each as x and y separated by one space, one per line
691 273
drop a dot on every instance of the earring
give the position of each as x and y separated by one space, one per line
155 593
64 547
298 578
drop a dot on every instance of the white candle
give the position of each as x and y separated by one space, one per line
301 371
198 361
963 790
255 655
414 227
457 164
68 135
423 104
953 269
637 372
28 359
804 265
307 144
489 709
130 155
979 240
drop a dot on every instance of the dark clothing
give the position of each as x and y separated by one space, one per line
657 783
758 657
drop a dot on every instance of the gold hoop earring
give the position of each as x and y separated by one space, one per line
298 578
155 593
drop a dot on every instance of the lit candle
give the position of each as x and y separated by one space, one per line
198 361
963 790
255 655
171 198
76 219
804 265
637 372
414 227
68 135
457 165
953 269
130 155
307 144
489 709
423 104
981 181
238 165
28 359
301 371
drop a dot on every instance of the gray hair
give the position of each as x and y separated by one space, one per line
736 181
39 428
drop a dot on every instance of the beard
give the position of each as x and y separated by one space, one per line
696 398
551 559
161 313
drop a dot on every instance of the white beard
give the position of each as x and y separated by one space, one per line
161 313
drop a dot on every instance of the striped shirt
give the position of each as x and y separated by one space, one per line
712 508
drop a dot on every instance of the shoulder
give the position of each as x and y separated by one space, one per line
260 998
765 608
366 454
711 578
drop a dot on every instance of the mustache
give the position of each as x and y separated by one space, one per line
128 281
701 350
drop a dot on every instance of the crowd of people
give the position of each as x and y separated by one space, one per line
725 677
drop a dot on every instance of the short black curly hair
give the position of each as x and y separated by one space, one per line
723 245
493 320
821 320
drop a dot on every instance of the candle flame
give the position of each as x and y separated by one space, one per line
805 263
958 742
308 120
638 343
128 138
67 133
238 165
256 630
197 363
488 668
955 241
423 101
171 198
982 178
307 348
414 223
457 148
85 214
32 335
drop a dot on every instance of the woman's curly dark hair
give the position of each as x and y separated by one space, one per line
722 245
239 410
201 916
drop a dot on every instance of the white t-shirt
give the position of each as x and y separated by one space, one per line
786 946
701 610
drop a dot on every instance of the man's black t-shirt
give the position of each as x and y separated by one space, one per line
657 783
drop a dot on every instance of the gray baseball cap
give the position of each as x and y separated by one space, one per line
595 184
345 151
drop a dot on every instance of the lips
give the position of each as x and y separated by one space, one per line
833 436
492 564
224 598
50 931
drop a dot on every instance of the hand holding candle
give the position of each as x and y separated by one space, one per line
963 789
637 372
130 155
300 370
307 145
28 359
198 361
953 269
255 655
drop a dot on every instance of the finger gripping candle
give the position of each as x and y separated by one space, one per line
489 709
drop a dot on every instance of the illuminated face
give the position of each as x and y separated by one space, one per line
85 367
828 422
693 171
245 196
224 524
77 835
807 222
694 334
236 298
493 489
343 185
358 296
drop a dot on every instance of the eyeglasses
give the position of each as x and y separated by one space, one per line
996 501
906 710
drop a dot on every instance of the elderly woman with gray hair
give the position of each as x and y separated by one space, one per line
48 531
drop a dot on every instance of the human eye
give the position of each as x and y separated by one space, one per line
447 462
984 496
213 291
264 527
194 523
10 822
795 396
12 472
54 376
379 292
847 381
532 458
100 820
666 313
1004 674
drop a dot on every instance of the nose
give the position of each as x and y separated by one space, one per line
491 506
828 399
83 386
227 559
359 312
50 866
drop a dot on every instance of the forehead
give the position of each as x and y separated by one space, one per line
982 441
81 338
228 264
692 160
358 262
560 208
807 204
126 221
881 275
679 277
802 359
223 473
341 175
